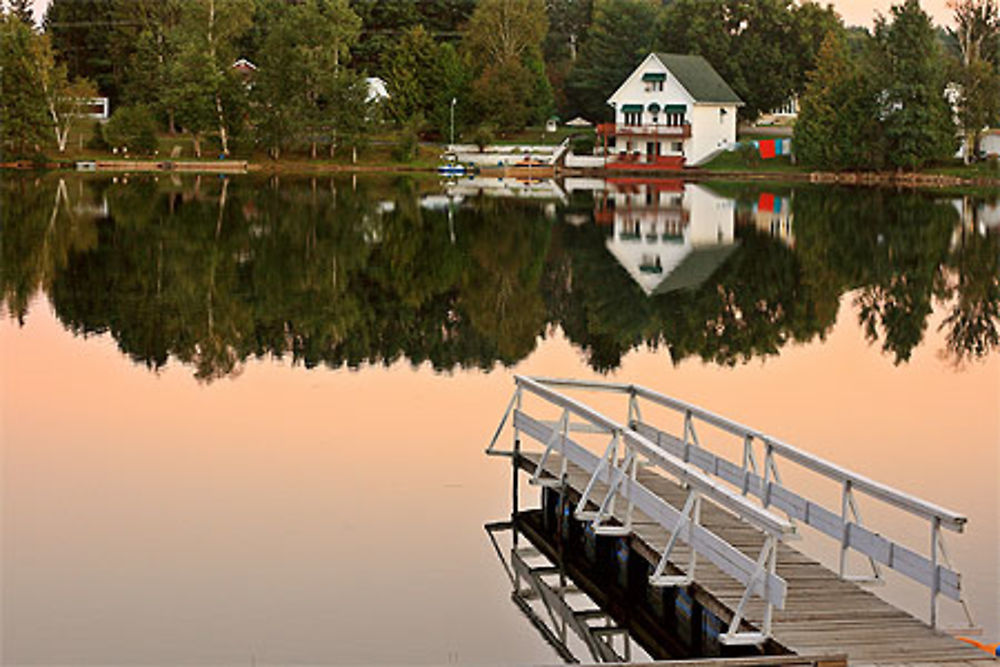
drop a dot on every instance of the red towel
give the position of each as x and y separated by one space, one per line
767 149
766 201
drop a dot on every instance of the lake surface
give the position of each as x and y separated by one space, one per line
243 419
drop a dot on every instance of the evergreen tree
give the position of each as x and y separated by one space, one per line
412 74
620 35
916 117
83 36
838 124
24 114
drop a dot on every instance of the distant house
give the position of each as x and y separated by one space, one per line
672 111
786 114
377 90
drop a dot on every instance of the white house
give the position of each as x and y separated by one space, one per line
672 111
668 235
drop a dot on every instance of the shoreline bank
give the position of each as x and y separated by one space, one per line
870 179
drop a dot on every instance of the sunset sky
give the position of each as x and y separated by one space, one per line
855 12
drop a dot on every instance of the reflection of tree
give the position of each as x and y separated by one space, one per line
887 245
973 323
340 273
40 228
319 270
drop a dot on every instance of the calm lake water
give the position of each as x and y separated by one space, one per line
243 419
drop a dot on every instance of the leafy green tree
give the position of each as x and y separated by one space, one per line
978 102
350 112
133 128
503 43
194 81
763 49
207 35
620 35
916 117
977 37
24 113
279 90
838 124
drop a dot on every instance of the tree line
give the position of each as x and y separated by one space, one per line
869 99
897 98
214 272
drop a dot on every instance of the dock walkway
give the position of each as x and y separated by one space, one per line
823 613
719 529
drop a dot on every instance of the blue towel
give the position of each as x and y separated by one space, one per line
778 150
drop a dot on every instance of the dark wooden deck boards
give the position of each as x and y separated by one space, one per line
823 614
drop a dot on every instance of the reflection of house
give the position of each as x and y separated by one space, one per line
772 214
667 234
672 111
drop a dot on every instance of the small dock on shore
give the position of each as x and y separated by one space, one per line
694 552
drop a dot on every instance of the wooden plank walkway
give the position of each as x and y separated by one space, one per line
823 614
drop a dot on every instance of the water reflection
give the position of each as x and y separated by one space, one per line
352 271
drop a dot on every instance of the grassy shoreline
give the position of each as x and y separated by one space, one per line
975 176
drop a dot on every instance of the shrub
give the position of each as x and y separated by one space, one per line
483 137
133 128
584 144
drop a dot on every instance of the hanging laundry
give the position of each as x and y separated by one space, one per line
767 149
779 145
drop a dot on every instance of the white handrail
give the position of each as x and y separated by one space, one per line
762 518
900 499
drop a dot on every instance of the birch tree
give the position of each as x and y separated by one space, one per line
977 32
212 27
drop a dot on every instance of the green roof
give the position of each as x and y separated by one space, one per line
699 78
695 269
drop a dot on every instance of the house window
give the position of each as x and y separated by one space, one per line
677 147
674 119
633 118
654 86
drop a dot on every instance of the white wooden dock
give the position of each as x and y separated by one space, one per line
667 493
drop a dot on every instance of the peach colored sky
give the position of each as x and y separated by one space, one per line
855 12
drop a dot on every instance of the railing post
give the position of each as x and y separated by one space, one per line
935 575
845 502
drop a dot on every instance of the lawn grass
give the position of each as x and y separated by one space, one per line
734 161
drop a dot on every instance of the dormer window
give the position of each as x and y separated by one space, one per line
654 81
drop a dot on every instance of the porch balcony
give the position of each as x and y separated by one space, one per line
668 131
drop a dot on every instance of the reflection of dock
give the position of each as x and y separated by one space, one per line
700 541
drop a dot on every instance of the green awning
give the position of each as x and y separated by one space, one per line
654 76
653 107
675 108
631 108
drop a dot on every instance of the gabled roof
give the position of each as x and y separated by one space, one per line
699 78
